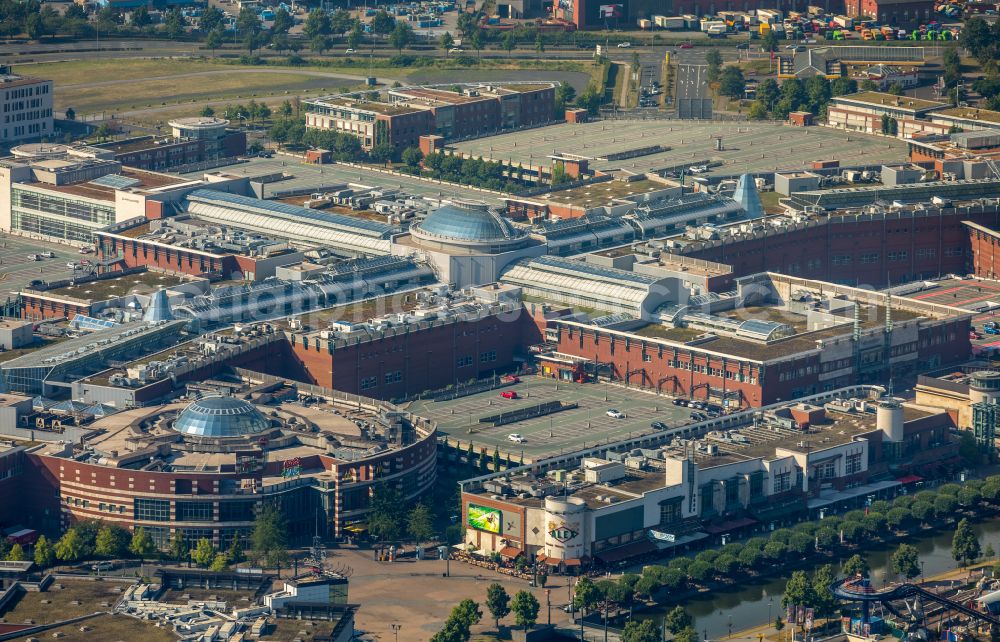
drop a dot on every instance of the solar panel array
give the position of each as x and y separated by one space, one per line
82 322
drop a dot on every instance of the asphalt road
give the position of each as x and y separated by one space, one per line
692 81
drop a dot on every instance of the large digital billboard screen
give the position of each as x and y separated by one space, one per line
484 518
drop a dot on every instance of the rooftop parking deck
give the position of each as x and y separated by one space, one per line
565 431
748 146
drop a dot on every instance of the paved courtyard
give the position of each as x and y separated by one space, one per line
565 431
748 146
415 595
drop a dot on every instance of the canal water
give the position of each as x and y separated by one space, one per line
760 602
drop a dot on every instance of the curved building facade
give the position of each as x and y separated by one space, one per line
203 469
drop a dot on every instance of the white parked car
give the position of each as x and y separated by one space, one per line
350 51
456 50
616 414
624 45
71 265
516 438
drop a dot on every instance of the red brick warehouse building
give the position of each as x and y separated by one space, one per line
406 359
897 13
785 338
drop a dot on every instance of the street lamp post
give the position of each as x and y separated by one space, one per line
548 604
770 603
395 630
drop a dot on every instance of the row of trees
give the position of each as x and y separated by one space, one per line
856 527
813 95
475 171
467 613
93 538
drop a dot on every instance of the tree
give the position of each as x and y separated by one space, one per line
211 18
282 22
317 23
235 553
989 553
70 112
103 132
420 523
44 555
965 543
220 563
140 18
178 546
446 42
112 541
508 42
354 37
539 44
269 535
174 24
731 82
798 590
203 553
644 631
677 619
215 38
207 111
770 41
383 23
906 561
411 157
714 60
856 566
525 608
319 44
585 594
401 36
34 27
70 546
497 602
249 27
16 553
383 153
687 635
285 110
824 602
142 545
896 89
478 42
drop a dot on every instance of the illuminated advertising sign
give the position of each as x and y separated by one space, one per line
484 518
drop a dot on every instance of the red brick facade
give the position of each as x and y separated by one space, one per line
395 366
868 251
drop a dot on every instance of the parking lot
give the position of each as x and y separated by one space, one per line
977 295
16 271
565 431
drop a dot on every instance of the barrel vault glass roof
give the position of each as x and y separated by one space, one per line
293 212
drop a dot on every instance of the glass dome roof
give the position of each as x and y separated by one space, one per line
219 416
468 221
